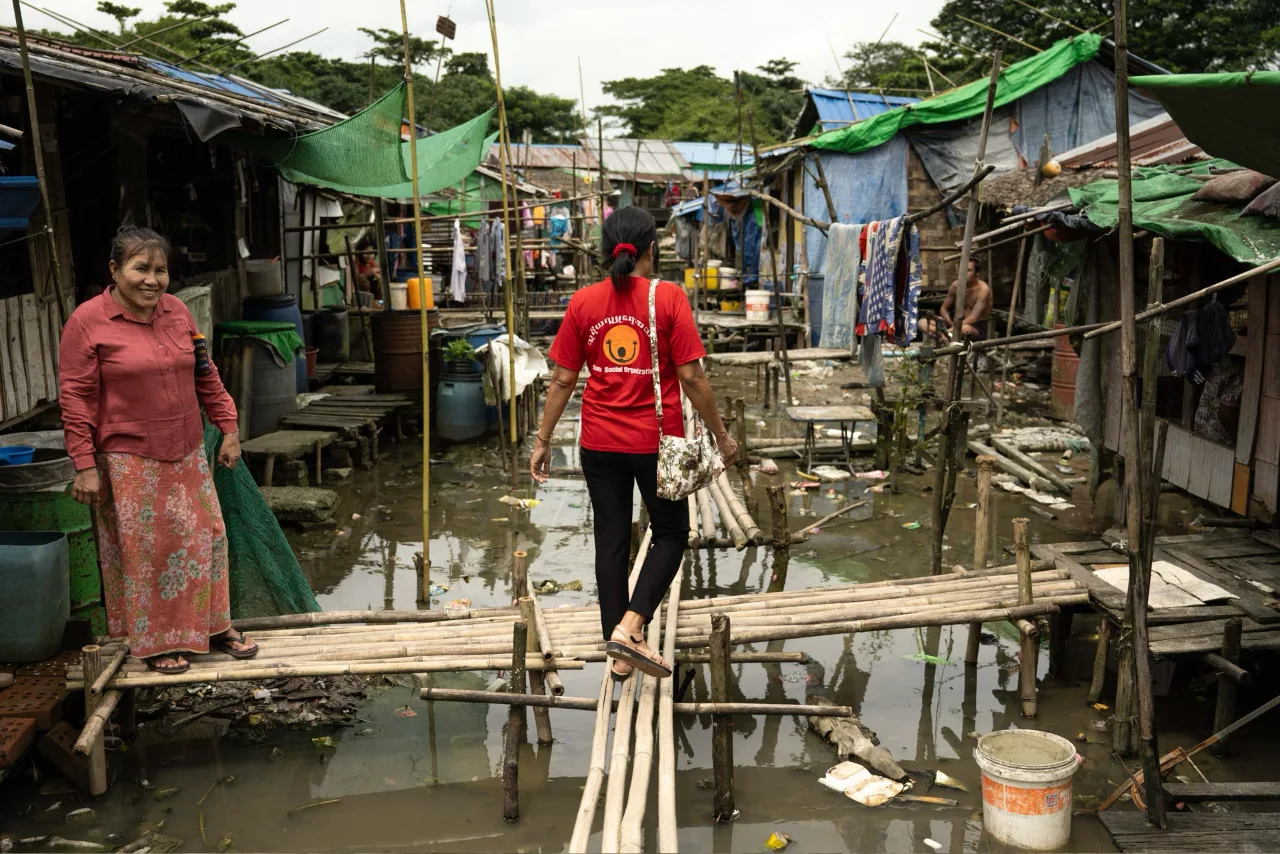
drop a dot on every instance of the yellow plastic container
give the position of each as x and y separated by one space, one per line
730 305
690 274
415 295
693 274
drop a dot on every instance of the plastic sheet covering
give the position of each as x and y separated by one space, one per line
364 155
968 101
948 151
1096 287
1075 109
1162 204
266 580
530 364
864 187
1235 115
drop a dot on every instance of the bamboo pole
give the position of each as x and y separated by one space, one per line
780 286
1009 466
516 724
1030 644
586 704
537 682
595 771
1017 238
37 151
631 833
92 665
809 529
519 574
94 725
1018 275
1030 463
109 672
504 152
955 371
727 517
425 592
744 517
993 343
1225 704
667 829
616 790
721 726
704 513
333 618
981 547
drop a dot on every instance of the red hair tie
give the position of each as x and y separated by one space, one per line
624 247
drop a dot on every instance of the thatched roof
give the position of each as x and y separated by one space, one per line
1019 186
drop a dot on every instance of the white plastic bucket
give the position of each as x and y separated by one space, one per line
263 277
1026 787
758 306
399 296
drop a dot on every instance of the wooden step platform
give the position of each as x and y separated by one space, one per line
287 446
1194 832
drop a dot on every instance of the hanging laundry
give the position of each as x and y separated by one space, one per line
910 301
884 239
559 226
484 256
497 240
458 276
840 290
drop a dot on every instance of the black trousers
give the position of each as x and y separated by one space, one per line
610 478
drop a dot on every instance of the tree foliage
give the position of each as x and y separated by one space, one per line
122 14
698 105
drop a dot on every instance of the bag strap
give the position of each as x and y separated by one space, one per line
653 350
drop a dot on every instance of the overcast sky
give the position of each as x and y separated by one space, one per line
541 41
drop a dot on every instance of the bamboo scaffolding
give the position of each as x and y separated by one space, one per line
97 722
1030 463
537 682
1005 242
1008 466
109 672
744 517
981 547
808 529
667 829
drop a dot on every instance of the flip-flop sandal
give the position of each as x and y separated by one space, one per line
167 669
223 644
638 660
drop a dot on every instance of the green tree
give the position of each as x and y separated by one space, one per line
389 45
121 13
1179 35
892 65
776 96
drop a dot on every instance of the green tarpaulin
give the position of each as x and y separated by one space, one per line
1162 204
967 101
281 336
364 155
1236 116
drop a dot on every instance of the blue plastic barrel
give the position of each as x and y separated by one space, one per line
460 409
283 307
477 338
37 594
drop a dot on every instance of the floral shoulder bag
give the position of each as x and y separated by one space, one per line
684 465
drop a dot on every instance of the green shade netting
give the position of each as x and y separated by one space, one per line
266 580
1235 115
966 101
1162 204
365 156
280 336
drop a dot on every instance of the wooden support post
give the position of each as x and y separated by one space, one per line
955 373
319 467
1027 672
91 660
1225 713
519 574
781 525
740 429
1100 662
721 725
981 546
884 434
516 722
1059 636
537 681
269 470
1008 332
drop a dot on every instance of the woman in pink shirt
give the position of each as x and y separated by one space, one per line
131 399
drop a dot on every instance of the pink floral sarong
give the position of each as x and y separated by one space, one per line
163 549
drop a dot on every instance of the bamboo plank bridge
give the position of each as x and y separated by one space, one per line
533 644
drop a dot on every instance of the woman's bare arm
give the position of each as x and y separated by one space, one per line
563 382
698 389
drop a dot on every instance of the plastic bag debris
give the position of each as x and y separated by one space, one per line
936 846
911 526
766 466
872 475
522 503
858 784
830 474
262 694
439 589
406 712
324 741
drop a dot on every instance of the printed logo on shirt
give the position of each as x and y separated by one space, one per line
621 344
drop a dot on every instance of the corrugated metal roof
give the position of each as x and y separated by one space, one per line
649 160
547 156
839 108
1154 141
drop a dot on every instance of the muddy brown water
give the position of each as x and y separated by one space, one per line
431 781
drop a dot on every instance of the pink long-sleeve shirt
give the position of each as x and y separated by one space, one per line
129 385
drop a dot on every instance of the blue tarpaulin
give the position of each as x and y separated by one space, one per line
865 187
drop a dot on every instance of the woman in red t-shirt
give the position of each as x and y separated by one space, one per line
606 329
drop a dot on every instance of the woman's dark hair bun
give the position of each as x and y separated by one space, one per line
133 240
628 234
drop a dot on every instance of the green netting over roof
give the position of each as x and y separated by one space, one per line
966 101
1162 204
1234 115
364 155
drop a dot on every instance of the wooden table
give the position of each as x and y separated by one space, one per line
288 445
845 416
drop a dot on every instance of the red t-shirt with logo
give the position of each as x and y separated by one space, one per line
608 332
